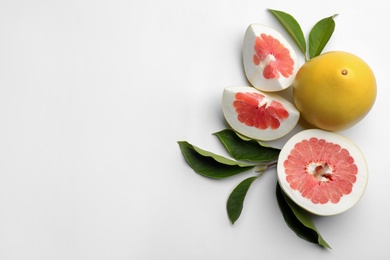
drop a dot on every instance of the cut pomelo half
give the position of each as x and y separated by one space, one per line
270 63
323 172
258 115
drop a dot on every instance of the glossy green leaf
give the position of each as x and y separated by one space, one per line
236 199
209 164
298 220
292 27
246 149
319 35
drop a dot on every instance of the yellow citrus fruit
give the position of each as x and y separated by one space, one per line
334 90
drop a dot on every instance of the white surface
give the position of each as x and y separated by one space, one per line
93 97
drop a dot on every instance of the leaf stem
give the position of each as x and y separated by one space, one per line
262 167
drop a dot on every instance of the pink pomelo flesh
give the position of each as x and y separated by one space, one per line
253 112
258 115
279 63
323 172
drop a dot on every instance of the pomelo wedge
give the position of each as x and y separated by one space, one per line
270 62
258 115
323 172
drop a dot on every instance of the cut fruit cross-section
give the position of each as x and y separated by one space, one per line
270 63
323 172
258 115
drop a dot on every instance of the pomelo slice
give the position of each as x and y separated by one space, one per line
270 63
323 172
258 115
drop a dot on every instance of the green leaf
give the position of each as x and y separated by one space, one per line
246 149
292 27
320 35
298 220
209 164
236 199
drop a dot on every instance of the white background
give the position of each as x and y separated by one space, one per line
95 94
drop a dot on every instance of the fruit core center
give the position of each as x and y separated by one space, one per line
264 102
322 171
270 57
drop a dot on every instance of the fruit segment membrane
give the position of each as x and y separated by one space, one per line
321 171
255 110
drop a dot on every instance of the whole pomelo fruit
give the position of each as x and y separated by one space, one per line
334 90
